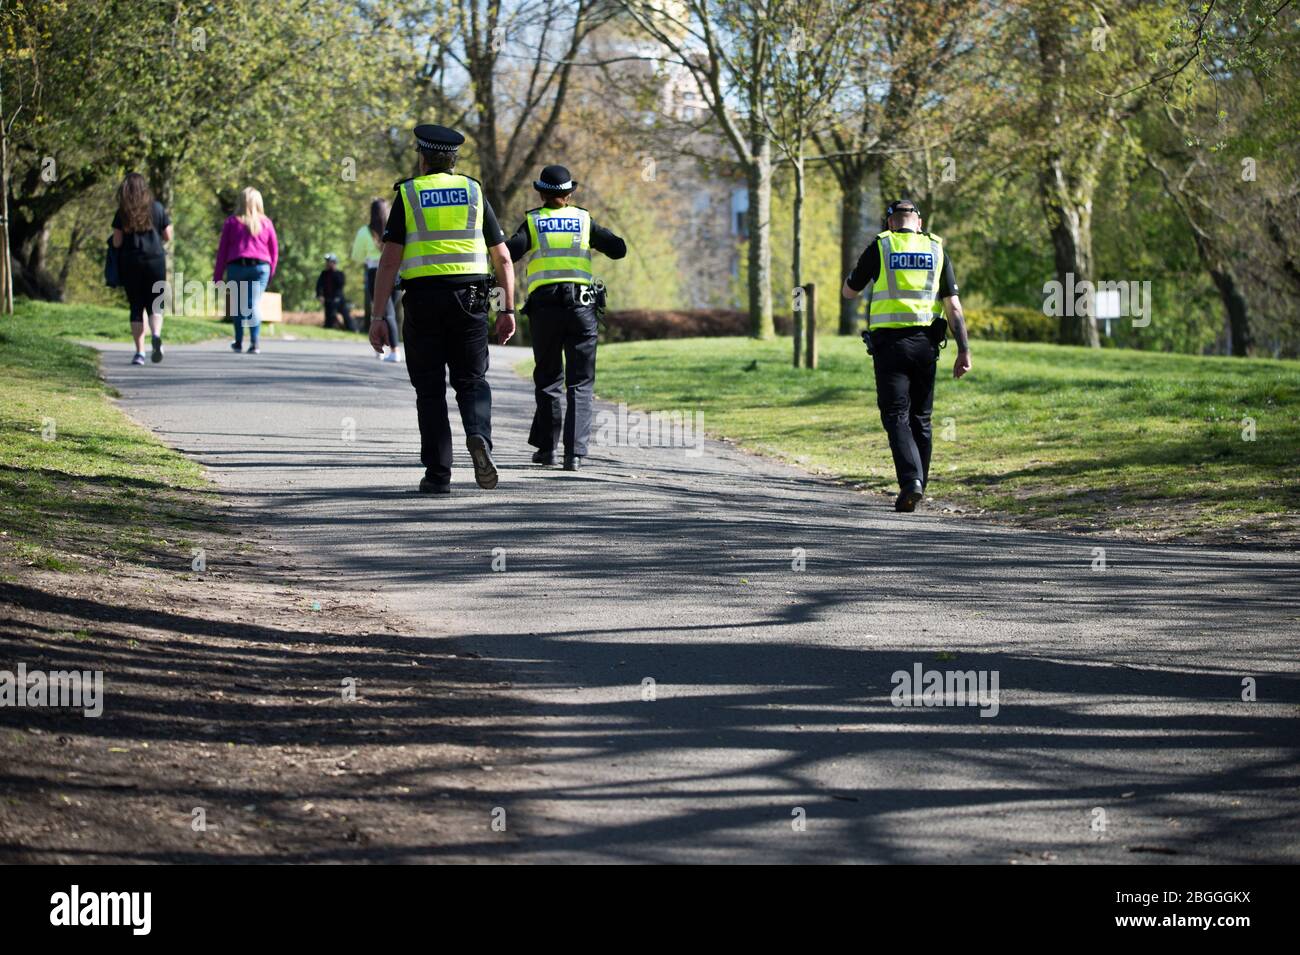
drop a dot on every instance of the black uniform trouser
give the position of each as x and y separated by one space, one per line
447 331
564 351
905 367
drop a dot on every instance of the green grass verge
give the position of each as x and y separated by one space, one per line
1046 435
80 484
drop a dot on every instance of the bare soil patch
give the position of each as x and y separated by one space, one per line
224 693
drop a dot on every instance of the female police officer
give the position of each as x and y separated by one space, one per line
561 307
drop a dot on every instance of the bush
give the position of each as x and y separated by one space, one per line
1010 323
635 325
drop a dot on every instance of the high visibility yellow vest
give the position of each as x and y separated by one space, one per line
444 226
561 244
906 291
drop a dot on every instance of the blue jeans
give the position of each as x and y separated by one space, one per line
252 281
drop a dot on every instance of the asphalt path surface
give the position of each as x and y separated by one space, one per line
696 647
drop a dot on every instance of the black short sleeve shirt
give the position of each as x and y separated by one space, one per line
147 244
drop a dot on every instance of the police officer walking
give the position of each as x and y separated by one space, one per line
562 305
440 236
909 275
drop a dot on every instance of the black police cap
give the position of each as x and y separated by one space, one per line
438 139
555 179
890 209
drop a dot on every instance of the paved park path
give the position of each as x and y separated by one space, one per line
1121 734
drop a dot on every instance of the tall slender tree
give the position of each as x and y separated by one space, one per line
812 45
725 47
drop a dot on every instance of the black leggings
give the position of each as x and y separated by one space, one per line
139 277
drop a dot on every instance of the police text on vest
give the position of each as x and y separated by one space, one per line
444 197
911 260
555 224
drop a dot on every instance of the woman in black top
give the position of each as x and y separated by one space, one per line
140 228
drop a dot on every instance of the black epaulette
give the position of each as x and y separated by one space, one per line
397 186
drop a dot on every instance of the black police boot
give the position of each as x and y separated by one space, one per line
911 496
543 457
429 486
572 462
485 469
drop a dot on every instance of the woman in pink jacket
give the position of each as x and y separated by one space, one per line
247 255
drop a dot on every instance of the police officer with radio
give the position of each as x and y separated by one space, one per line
912 288
440 237
563 305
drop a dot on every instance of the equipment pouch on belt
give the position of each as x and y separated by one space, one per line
938 332
593 296
473 297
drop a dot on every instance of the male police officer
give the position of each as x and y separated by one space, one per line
909 274
562 307
440 235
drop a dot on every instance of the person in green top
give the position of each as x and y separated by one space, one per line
365 252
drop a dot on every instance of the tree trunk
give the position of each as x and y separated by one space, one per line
31 210
1235 310
75 240
1065 193
27 257
851 238
1072 248
760 238
798 309
1240 342
162 177
6 262
1070 224
162 180
859 219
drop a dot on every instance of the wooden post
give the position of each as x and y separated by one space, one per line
796 313
810 324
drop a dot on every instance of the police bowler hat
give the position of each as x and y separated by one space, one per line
430 137
555 179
